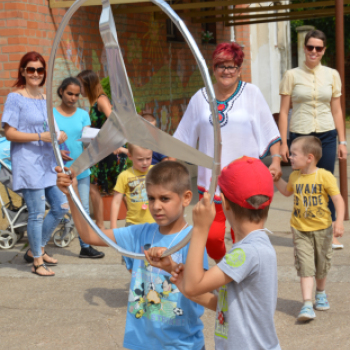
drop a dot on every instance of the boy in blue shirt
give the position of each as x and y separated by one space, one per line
158 316
247 275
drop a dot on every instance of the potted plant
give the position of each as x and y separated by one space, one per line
106 187
206 38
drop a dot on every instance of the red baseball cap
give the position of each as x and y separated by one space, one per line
246 177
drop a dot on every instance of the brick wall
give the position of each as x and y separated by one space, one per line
242 37
30 25
163 74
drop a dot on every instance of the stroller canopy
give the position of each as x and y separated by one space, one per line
5 152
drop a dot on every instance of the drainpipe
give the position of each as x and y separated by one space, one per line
339 44
232 28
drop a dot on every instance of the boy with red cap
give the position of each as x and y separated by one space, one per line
247 275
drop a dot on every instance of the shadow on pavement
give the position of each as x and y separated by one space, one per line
289 307
114 298
281 241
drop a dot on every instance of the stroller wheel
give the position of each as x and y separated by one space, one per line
74 233
20 234
7 239
61 239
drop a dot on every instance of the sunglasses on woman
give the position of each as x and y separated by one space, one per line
317 48
32 70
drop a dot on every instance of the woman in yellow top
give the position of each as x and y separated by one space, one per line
314 91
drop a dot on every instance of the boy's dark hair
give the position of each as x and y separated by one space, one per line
317 34
252 215
65 83
310 144
170 174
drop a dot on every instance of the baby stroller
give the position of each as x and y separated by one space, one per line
66 232
17 216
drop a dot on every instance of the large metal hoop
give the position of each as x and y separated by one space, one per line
211 99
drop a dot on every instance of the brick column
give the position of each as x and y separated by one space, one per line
242 37
163 74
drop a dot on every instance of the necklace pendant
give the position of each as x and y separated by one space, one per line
144 206
44 125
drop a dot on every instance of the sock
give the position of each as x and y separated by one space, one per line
319 292
308 303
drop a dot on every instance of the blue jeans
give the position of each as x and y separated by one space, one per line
84 191
329 153
39 230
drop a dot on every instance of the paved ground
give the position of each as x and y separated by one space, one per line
84 305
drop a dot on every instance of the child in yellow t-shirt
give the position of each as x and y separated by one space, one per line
311 220
156 157
131 183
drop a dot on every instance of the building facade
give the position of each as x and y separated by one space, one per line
162 71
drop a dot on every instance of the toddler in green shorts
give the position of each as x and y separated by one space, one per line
311 220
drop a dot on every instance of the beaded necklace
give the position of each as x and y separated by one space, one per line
154 234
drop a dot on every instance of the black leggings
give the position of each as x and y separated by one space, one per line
329 153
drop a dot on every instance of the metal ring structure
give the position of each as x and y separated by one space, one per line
216 168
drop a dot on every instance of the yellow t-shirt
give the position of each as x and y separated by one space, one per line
131 182
310 212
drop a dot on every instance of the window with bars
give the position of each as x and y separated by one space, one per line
209 27
172 33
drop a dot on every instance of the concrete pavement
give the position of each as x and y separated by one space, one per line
84 305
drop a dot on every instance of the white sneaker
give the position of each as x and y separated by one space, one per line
337 246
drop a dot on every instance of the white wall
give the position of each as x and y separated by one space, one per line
270 58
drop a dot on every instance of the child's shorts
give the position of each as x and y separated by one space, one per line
313 252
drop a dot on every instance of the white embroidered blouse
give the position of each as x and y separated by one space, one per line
247 128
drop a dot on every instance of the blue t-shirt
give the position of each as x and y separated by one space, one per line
158 316
157 157
73 127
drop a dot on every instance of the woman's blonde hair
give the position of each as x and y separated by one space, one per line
91 84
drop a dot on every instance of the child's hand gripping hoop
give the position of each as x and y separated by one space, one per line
124 124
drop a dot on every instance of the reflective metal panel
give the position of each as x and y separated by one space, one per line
56 149
133 127
123 124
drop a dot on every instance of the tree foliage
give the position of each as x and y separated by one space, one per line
327 25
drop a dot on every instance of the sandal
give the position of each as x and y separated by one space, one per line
27 258
45 267
47 262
